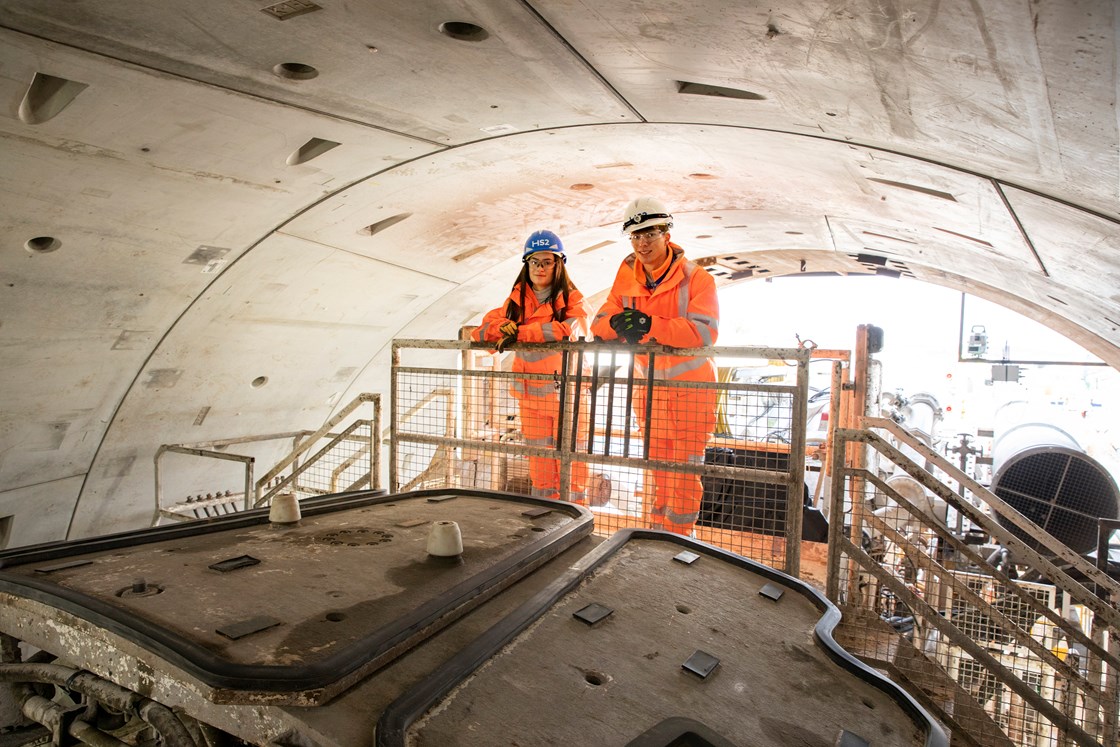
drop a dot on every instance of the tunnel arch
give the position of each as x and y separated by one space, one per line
322 286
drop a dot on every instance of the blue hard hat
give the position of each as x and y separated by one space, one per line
543 241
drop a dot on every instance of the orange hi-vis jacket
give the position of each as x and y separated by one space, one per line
683 310
538 325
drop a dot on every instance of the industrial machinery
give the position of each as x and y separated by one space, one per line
500 616
1043 472
1037 467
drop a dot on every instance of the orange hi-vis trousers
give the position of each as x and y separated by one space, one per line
680 427
540 422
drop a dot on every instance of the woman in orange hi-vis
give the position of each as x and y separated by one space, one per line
544 306
660 296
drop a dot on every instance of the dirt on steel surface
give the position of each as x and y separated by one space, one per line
565 682
330 580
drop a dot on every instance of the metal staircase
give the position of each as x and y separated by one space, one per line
1001 660
878 644
319 462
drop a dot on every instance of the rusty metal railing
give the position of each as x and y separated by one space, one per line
1006 660
470 435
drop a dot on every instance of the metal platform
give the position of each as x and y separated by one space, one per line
652 639
239 611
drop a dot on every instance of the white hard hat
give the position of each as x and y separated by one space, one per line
645 212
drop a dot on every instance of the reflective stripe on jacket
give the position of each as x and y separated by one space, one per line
683 311
538 325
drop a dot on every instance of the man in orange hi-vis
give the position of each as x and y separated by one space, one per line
660 296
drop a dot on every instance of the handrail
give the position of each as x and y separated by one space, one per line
1035 559
977 652
1022 637
248 461
285 482
1042 610
422 368
753 351
311 439
1005 509
1013 632
224 442
252 494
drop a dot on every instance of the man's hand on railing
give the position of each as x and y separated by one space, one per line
631 325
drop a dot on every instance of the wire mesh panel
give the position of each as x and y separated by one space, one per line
303 463
424 421
628 431
343 462
951 612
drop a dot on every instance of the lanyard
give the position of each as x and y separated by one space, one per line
652 284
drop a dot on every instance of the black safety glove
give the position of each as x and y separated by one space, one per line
631 325
509 335
618 321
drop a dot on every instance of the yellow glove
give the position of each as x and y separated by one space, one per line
509 329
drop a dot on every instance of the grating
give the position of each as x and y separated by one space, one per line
605 441
982 627
1063 492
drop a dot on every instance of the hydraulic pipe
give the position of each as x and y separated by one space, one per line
159 716
53 716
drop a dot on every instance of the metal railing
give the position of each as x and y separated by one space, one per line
453 422
1001 659
1024 653
342 461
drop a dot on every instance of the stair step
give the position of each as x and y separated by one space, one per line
867 636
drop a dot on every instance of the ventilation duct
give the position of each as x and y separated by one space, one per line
1043 472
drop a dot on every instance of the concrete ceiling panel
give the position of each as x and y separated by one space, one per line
1079 251
369 58
117 213
271 347
437 202
39 513
907 78
167 126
